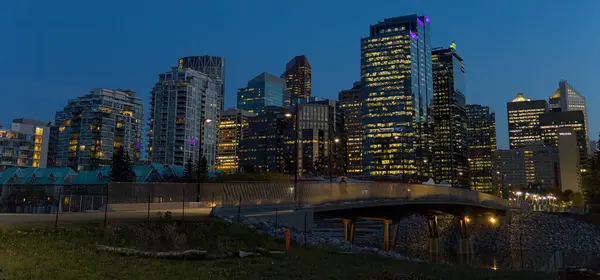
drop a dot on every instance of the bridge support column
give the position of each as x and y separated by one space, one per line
395 236
386 234
349 228
434 239
465 249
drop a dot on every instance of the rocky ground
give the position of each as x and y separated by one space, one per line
530 240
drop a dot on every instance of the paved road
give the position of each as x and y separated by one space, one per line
6 218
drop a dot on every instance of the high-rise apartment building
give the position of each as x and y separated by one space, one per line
90 127
524 121
262 91
350 106
233 128
298 79
184 117
25 144
450 151
397 79
566 99
482 143
211 66
551 122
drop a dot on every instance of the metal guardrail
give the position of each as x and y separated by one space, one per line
307 194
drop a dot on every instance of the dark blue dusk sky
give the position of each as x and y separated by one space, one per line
52 51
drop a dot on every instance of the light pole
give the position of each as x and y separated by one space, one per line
331 141
502 183
296 129
402 156
470 177
207 122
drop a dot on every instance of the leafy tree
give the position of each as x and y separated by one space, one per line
578 200
202 169
189 175
121 170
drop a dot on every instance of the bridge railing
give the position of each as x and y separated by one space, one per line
315 194
274 193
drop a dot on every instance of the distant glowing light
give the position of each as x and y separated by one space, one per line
492 220
420 22
426 18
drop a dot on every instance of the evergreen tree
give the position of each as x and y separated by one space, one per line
121 170
189 175
591 180
202 169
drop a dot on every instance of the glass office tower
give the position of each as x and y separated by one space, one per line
450 148
524 121
262 91
397 79
482 143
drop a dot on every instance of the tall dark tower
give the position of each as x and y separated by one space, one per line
450 148
297 75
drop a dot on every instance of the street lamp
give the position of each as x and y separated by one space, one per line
504 194
296 129
331 141
206 121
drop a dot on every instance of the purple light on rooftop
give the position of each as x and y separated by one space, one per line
420 22
426 18
413 35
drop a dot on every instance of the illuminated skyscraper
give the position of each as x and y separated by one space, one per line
482 143
551 122
352 131
397 80
297 76
566 99
262 91
524 121
449 118
232 129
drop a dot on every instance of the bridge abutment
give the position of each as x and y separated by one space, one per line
349 229
465 248
434 239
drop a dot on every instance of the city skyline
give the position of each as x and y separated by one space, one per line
513 68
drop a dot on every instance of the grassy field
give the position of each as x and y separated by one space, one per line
37 252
